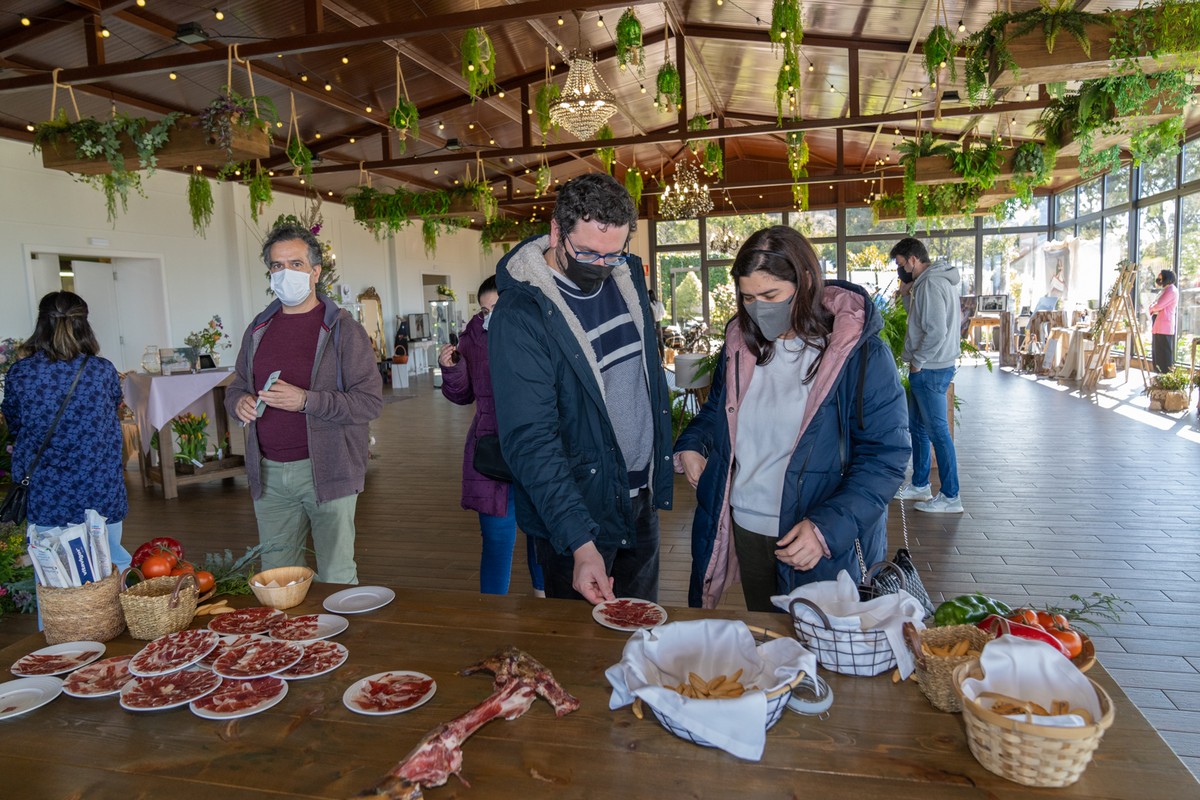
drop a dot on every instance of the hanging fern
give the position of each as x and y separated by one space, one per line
668 89
607 155
800 191
544 177
629 42
300 157
1033 164
787 88
429 236
405 118
939 49
786 26
797 148
713 162
547 96
633 184
910 150
697 123
979 165
478 62
200 202
260 192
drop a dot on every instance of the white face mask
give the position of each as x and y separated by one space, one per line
488 320
291 287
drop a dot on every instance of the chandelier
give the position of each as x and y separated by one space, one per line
685 197
585 103
723 242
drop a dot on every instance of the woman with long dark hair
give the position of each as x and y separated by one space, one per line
81 466
1162 331
804 437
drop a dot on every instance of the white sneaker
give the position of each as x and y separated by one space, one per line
941 505
910 492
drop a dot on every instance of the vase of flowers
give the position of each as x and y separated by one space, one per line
209 338
191 434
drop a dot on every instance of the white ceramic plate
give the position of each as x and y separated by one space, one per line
26 694
264 702
358 599
629 606
173 652
258 659
57 659
199 683
328 657
100 678
308 627
394 676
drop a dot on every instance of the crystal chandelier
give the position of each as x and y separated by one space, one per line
585 103
723 242
685 197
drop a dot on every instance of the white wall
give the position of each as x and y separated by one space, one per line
46 210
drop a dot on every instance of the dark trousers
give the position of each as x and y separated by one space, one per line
1162 352
634 570
757 564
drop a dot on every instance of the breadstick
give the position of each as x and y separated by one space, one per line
637 708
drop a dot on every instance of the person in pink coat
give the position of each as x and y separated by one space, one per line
466 379
1162 312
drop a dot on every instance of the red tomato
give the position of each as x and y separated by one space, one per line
1025 616
183 569
205 581
155 567
171 558
1069 639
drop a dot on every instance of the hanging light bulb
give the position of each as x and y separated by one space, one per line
961 27
26 21
345 59
219 14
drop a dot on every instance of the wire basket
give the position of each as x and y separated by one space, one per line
777 700
88 613
935 673
159 606
848 651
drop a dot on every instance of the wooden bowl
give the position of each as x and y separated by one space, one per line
1087 656
283 596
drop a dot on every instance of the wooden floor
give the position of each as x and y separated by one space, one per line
1064 494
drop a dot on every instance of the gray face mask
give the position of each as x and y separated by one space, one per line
774 319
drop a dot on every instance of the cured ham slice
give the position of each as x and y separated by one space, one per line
246 620
99 678
296 629
319 657
628 614
257 659
238 698
173 652
34 664
392 691
226 644
168 691
520 679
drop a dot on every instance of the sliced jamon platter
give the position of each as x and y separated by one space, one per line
234 698
172 652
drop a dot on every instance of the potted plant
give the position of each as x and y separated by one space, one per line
547 96
634 184
668 91
1169 391
210 338
404 117
606 155
237 127
478 62
629 42
191 437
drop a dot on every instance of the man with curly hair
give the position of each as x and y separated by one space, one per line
581 398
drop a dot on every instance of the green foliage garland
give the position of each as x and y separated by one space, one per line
787 87
607 155
478 62
405 118
200 201
629 42
786 27
634 184
668 90
547 96
385 213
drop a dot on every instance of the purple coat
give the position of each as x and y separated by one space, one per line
470 381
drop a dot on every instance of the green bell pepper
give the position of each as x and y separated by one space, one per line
968 609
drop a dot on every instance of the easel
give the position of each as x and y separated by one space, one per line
1116 320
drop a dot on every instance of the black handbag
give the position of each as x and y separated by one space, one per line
889 577
489 460
16 503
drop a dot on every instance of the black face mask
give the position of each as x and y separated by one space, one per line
588 277
904 274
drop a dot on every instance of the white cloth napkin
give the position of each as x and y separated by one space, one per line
839 600
665 655
1025 669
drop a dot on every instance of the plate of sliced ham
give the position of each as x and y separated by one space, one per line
168 691
389 692
100 678
257 659
319 658
26 694
629 614
57 659
226 644
234 698
246 620
173 652
308 627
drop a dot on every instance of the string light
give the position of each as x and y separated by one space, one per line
175 77
558 46
500 94
369 109
104 32
317 135
345 59
441 125
219 14
600 22
278 124
26 21
560 20
352 140
437 171
330 194
30 127
329 87
303 77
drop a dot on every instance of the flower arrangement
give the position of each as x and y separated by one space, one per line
445 291
191 431
210 337
16 574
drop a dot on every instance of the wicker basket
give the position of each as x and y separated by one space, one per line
777 700
850 652
282 596
159 606
88 613
935 674
1033 755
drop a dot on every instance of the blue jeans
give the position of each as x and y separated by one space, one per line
928 423
495 562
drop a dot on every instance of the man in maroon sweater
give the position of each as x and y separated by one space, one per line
306 434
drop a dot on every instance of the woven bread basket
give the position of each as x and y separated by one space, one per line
935 673
282 596
88 613
159 606
1033 755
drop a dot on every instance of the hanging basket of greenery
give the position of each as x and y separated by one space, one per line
787 29
1012 163
787 88
505 230
939 50
800 190
630 51
259 187
478 62
405 117
911 150
300 158
546 97
544 177
606 155
238 127
668 91
634 184
797 149
200 201
713 162
699 122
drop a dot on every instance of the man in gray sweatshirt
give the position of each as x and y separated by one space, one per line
931 348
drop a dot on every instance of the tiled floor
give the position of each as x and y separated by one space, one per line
1064 494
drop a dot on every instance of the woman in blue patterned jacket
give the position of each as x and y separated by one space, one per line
81 467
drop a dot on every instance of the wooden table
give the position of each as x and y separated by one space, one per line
881 740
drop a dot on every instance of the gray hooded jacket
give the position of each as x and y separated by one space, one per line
934 318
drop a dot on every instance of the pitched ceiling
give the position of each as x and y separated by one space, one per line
336 61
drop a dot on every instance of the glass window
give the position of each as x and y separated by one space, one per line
868 265
1014 264
1089 196
1156 252
1116 187
680 231
860 221
679 282
815 224
1064 205
727 234
1028 216
1116 250
722 298
1085 283
1189 269
1158 175
1191 161
958 223
960 252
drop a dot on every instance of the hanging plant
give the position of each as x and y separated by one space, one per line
507 229
544 177
786 26
629 42
800 190
1033 164
607 155
478 62
200 201
669 91
634 184
260 191
939 50
713 162
405 118
300 158
483 199
697 123
787 86
231 112
910 151
979 165
429 237
547 96
797 148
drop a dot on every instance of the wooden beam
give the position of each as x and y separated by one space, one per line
314 16
93 41
18 36
762 35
